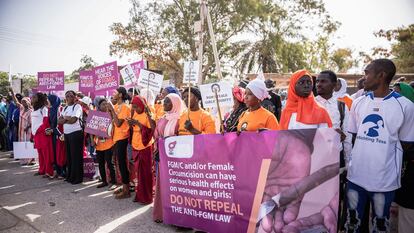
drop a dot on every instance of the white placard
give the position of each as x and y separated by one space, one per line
24 150
224 94
191 72
128 75
151 80
17 85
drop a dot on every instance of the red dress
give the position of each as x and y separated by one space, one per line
43 144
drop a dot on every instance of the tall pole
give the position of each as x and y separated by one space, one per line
213 42
201 43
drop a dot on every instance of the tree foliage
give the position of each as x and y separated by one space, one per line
87 63
249 33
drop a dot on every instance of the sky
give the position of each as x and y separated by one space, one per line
50 35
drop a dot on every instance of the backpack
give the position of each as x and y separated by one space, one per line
82 119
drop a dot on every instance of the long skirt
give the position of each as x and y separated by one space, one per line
145 176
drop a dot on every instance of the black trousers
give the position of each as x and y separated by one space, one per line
121 153
103 157
74 154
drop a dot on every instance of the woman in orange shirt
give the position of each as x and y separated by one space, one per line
302 111
256 117
197 121
120 112
104 152
142 146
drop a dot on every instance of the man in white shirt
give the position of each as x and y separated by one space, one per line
381 123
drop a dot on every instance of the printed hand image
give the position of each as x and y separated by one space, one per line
289 180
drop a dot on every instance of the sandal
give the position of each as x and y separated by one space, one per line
123 195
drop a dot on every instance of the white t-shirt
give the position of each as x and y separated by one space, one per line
72 111
380 124
293 124
37 118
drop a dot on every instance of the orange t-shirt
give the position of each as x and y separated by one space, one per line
258 119
123 111
159 111
201 120
347 100
136 135
103 145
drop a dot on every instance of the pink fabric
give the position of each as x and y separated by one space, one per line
174 115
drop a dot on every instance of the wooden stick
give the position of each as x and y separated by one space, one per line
219 111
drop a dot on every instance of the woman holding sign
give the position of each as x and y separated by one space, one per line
104 151
73 136
302 111
167 126
120 112
256 117
142 146
195 120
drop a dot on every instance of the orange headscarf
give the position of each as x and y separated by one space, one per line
307 109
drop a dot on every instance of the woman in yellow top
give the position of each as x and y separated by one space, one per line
256 117
198 121
104 152
142 146
120 112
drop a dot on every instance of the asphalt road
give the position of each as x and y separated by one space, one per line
34 204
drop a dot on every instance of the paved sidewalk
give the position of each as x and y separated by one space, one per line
34 204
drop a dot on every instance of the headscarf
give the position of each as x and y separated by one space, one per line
28 102
139 101
195 91
171 89
174 115
53 112
258 87
407 91
307 109
342 92
239 92
148 95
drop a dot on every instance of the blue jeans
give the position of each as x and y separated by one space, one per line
380 202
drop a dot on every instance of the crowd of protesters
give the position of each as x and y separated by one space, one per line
374 172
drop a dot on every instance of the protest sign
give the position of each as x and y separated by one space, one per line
128 75
137 66
50 81
106 77
191 73
224 94
293 172
86 81
99 124
150 80
17 85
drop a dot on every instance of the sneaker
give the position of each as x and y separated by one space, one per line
102 185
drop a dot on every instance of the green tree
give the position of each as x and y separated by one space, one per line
87 63
342 60
4 83
402 48
162 32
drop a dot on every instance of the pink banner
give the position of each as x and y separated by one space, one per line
221 183
86 81
106 77
99 124
51 81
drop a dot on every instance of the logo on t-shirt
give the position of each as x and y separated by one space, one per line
372 125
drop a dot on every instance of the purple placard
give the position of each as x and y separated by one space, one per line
51 81
99 124
137 66
233 191
106 77
86 81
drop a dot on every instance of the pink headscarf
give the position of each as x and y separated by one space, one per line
174 115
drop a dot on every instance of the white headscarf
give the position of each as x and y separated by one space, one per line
342 92
258 87
146 93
